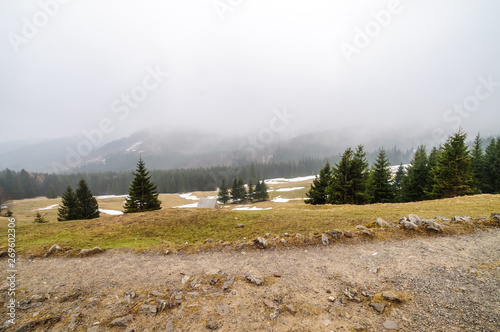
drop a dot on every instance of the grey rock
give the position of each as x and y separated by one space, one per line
89 252
407 224
178 295
391 325
261 243
212 325
360 227
37 298
462 219
383 223
348 234
291 309
122 321
269 303
70 297
148 309
333 234
324 240
415 219
53 249
495 216
185 279
378 306
432 226
326 322
240 226
391 296
213 271
170 326
157 293
209 241
228 283
274 314
195 283
255 279
482 219
286 234
26 326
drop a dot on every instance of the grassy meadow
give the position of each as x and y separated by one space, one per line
169 228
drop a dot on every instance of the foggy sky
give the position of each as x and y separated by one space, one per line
231 64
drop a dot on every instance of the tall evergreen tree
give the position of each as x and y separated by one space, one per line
238 192
397 184
340 190
453 172
142 194
418 176
87 201
251 191
359 175
317 193
477 163
491 171
379 185
261 193
223 195
70 208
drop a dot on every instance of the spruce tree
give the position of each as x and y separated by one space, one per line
70 208
359 175
223 195
317 193
340 190
491 171
379 185
238 193
453 172
418 175
261 191
87 201
250 196
39 219
477 163
397 184
142 194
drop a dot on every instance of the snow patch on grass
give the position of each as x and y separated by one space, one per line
111 212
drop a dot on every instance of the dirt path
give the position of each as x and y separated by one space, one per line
453 284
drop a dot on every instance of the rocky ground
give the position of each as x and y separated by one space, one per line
446 283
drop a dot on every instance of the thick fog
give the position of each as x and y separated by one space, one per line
406 68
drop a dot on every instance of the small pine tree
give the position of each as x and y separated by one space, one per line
317 193
142 194
379 187
51 192
70 208
261 193
223 195
88 203
453 171
8 214
39 219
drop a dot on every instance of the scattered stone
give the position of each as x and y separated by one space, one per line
268 234
431 226
367 232
178 295
213 271
415 219
407 224
324 240
274 314
378 306
462 219
148 309
326 322
37 298
348 234
374 269
74 321
240 226
195 283
209 241
331 298
283 241
495 216
212 325
185 279
269 303
286 234
442 218
360 227
333 234
350 293
89 252
26 326
482 219
122 321
291 309
261 243
255 279
157 293
391 296
170 326
391 325
53 249
383 223
228 283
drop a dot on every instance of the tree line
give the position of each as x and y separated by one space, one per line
239 193
452 169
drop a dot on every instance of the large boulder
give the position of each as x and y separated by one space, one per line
383 223
407 224
415 219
